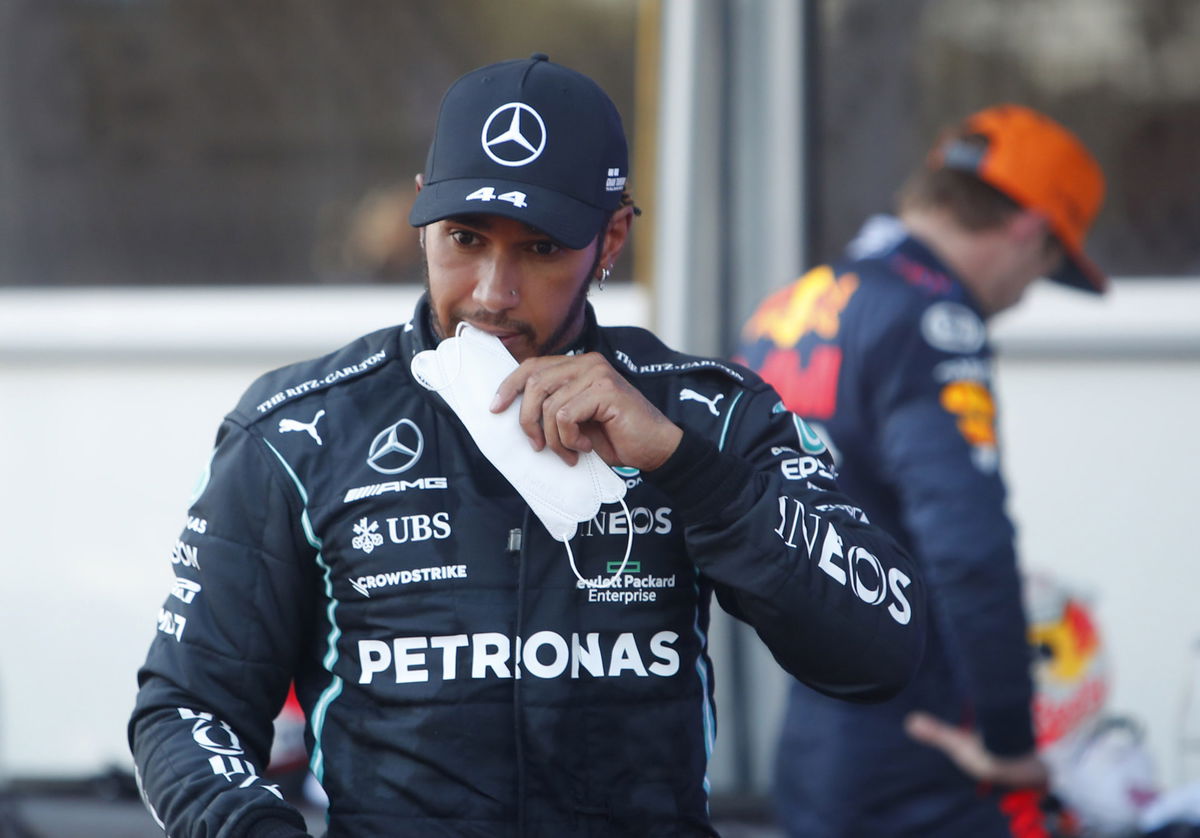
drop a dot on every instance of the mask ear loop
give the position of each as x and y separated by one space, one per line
611 580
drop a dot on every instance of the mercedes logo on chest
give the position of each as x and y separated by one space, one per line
396 448
514 135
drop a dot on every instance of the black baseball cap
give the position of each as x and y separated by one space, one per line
530 140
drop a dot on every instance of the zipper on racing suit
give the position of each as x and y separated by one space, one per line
516 549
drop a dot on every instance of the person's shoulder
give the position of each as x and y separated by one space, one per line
898 289
642 355
895 267
286 384
907 298
893 309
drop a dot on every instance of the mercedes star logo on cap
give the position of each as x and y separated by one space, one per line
505 142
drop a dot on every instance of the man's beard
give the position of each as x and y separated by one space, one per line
571 326
565 332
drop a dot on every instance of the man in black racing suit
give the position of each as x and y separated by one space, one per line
457 677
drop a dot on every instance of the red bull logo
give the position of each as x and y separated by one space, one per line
812 304
808 390
807 378
1070 672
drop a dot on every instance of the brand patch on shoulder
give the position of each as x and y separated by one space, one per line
952 327
685 365
332 377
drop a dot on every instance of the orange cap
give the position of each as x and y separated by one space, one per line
1043 167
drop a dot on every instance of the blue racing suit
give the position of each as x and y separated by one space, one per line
886 354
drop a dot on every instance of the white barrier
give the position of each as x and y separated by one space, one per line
109 400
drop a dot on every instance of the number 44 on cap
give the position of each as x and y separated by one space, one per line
488 193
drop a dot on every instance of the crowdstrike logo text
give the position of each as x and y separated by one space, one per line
364 584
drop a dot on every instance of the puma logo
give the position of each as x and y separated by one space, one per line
310 428
687 394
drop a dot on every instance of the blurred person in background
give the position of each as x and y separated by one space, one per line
461 669
370 241
886 353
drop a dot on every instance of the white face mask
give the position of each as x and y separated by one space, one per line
466 371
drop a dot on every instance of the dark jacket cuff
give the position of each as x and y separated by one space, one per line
1007 732
700 479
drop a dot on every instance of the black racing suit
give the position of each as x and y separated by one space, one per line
456 676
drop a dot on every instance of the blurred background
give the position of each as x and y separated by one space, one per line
192 192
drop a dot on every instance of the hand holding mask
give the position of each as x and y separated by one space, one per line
465 371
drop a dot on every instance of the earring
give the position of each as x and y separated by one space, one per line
605 273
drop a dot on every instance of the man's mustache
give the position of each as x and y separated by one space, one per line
495 321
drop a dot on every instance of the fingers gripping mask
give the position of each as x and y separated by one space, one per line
466 370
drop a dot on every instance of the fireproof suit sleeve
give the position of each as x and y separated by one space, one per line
229 634
836 600
936 437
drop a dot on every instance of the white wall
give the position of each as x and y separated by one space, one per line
1099 402
109 401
